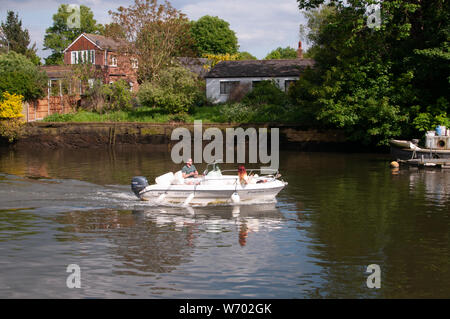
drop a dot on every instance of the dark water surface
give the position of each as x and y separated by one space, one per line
339 214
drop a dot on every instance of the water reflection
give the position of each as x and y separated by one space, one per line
433 183
339 213
247 219
158 239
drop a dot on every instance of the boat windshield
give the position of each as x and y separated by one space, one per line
214 170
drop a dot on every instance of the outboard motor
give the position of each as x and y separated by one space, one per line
138 183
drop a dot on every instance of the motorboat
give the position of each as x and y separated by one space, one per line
436 147
213 187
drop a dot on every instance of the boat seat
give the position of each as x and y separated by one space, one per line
178 178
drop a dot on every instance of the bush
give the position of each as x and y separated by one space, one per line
18 75
266 92
237 113
118 96
108 97
177 90
10 129
10 106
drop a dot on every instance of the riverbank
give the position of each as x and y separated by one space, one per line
95 135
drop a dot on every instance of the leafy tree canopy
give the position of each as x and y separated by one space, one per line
61 33
18 75
244 55
213 35
282 53
374 80
18 38
155 33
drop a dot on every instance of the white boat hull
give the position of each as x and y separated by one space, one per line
204 194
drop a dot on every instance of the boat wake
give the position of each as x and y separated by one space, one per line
60 195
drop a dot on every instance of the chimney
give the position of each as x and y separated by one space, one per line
300 50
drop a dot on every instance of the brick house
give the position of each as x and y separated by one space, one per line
108 63
103 52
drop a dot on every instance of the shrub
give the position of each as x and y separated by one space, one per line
11 106
18 75
237 113
108 97
10 129
118 96
266 92
10 116
177 90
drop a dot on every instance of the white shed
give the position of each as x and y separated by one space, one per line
228 74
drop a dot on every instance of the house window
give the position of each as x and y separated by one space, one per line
83 56
134 63
74 59
288 83
227 86
92 57
113 61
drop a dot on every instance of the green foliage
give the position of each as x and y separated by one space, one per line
18 38
177 90
435 115
108 97
244 55
266 92
11 129
118 96
19 75
237 113
60 35
376 83
282 53
213 35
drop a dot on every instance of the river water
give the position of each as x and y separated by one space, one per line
339 214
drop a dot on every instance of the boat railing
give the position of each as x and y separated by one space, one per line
271 177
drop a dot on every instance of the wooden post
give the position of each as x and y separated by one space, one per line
48 97
61 96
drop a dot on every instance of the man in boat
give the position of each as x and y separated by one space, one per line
189 170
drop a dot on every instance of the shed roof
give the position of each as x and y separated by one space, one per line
259 68
56 71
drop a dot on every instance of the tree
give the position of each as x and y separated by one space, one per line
373 81
282 53
176 91
61 33
244 55
114 30
155 34
213 35
18 75
17 38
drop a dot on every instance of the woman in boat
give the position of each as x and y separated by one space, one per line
243 177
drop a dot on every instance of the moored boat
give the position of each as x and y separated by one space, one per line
437 147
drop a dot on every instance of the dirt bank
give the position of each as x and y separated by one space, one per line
91 135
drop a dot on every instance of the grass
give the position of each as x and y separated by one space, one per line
223 113
151 115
